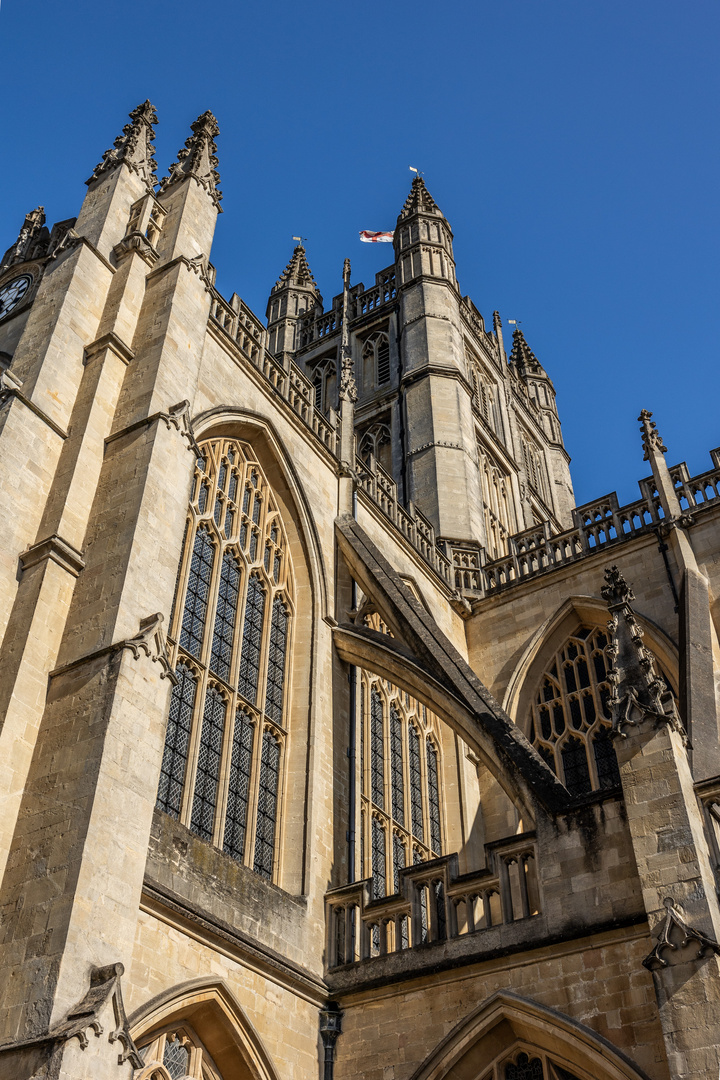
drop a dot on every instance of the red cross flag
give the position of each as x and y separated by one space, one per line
376 237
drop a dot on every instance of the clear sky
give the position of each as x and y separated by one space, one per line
572 145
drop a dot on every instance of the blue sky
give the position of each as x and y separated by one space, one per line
572 145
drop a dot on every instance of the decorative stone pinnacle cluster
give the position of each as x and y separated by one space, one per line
522 356
198 158
419 201
297 271
32 242
651 438
135 147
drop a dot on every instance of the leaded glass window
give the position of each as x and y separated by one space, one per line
180 1051
570 714
208 764
401 788
176 1058
267 805
219 706
239 786
378 858
433 796
177 741
377 750
252 640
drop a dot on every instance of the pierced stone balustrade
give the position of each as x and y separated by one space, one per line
434 903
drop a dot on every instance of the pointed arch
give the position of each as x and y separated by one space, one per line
209 1006
549 637
506 1021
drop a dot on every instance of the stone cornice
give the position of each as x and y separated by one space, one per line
11 387
138 243
111 342
58 551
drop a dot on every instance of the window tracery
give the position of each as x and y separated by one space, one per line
401 803
181 1053
376 360
528 1064
377 440
230 641
497 504
570 717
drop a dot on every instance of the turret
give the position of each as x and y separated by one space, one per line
440 451
540 389
293 296
191 196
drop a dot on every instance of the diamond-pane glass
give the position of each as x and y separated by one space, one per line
177 741
239 786
525 1068
276 661
396 766
225 614
434 798
208 766
398 860
416 801
377 750
176 1058
252 640
378 859
267 806
198 588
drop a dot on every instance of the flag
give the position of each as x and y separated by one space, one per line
376 237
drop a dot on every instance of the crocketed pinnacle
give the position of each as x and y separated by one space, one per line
32 241
135 147
522 356
198 158
297 271
651 438
419 201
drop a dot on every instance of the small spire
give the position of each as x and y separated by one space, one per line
198 159
651 438
348 386
297 271
638 692
419 201
135 147
32 241
525 360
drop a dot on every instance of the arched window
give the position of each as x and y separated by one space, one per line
529 1064
401 782
376 361
570 717
179 1050
377 440
230 642
497 503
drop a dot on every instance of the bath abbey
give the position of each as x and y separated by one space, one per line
336 741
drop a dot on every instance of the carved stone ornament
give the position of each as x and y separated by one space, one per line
135 147
32 242
151 640
104 990
9 386
178 416
200 265
673 918
650 435
638 694
348 386
198 159
522 356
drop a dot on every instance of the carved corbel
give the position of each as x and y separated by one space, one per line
673 918
9 386
151 640
104 990
178 416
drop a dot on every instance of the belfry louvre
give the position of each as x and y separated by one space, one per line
336 739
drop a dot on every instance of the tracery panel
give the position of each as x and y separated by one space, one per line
570 714
236 577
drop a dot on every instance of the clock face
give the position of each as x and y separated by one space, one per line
12 293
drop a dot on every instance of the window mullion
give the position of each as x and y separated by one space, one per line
224 776
250 829
193 749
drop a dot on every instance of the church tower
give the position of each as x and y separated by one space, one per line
442 472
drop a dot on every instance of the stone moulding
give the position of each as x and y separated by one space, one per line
673 918
11 387
177 417
111 342
149 640
104 988
58 550
138 242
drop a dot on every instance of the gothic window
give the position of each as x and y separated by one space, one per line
378 858
376 440
534 463
497 504
401 780
180 1051
570 715
226 729
376 361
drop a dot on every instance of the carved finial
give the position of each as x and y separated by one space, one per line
497 321
638 693
348 386
297 271
522 356
135 147
346 271
674 925
198 159
651 438
32 241
419 201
